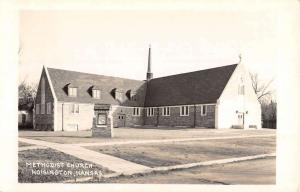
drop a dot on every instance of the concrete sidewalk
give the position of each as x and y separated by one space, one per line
112 163
168 140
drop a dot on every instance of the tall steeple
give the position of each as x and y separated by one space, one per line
149 73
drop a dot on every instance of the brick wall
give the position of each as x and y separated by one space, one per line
44 121
176 120
208 120
130 119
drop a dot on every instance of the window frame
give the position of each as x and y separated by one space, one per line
42 109
201 112
75 108
49 108
72 91
184 110
166 111
150 111
96 93
241 89
119 95
136 111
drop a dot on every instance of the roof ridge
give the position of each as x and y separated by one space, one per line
93 74
178 74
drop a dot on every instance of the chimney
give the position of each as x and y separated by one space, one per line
149 73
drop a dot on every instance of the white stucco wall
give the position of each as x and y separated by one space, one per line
64 118
230 102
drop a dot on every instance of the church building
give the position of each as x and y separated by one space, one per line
220 97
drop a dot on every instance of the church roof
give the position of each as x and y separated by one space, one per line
85 82
197 87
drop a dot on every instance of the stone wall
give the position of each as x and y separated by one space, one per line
102 130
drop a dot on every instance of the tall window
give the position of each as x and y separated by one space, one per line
241 90
43 108
37 108
75 108
49 108
72 91
43 91
166 111
150 111
43 96
136 111
96 94
184 111
203 110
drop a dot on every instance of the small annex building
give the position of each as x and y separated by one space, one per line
220 97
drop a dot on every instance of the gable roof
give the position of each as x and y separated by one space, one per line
60 80
199 87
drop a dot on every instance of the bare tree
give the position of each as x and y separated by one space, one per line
262 89
27 93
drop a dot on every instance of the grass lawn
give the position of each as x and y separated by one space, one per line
28 174
167 154
253 172
22 144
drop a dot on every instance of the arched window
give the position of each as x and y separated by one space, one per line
43 96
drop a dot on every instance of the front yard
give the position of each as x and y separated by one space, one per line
168 154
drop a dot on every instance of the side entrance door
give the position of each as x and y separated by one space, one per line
241 120
121 120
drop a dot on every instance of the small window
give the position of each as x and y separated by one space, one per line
37 108
136 111
49 108
72 91
42 108
96 94
166 111
119 95
133 96
184 110
150 111
75 108
203 110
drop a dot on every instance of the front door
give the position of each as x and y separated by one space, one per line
241 120
121 120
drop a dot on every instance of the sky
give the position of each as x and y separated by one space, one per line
115 42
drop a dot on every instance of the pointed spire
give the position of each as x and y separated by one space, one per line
149 73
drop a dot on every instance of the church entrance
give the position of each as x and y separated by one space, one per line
241 120
121 118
